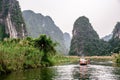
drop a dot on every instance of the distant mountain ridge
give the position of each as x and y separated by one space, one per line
107 37
38 24
115 33
67 40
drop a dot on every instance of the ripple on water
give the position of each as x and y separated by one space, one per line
100 72
65 72
68 72
89 72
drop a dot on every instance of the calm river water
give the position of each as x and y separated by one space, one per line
93 71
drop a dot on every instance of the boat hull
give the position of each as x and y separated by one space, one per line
83 63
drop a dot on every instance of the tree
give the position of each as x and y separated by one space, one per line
46 45
115 45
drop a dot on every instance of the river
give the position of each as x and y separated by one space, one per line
93 71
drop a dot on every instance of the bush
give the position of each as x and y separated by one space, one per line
116 58
17 54
14 55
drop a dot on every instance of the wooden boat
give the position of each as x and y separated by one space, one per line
83 61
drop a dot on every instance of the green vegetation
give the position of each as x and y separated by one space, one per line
2 32
47 46
38 24
17 54
114 45
97 47
17 16
86 41
61 59
99 58
6 8
116 58
0 5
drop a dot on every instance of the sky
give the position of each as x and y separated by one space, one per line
102 14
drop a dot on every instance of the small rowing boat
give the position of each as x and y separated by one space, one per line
83 61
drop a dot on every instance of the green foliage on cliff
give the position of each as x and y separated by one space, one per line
14 10
2 32
85 40
115 45
116 30
17 16
5 7
0 5
11 18
115 41
97 47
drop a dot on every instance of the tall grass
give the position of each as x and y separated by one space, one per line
15 56
116 58
99 58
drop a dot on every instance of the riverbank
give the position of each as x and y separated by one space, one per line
21 54
73 71
27 53
94 58
57 60
100 58
75 59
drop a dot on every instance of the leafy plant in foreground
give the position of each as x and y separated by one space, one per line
46 45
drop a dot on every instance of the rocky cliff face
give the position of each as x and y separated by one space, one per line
116 31
38 24
115 40
84 37
11 22
67 40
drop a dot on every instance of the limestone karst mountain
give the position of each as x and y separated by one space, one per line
85 40
116 31
11 21
67 40
37 24
115 40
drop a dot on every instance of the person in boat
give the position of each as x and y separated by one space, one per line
83 61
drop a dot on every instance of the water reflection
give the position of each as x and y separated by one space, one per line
72 72
33 74
65 72
84 72
68 72
100 72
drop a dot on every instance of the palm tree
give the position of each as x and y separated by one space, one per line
46 45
